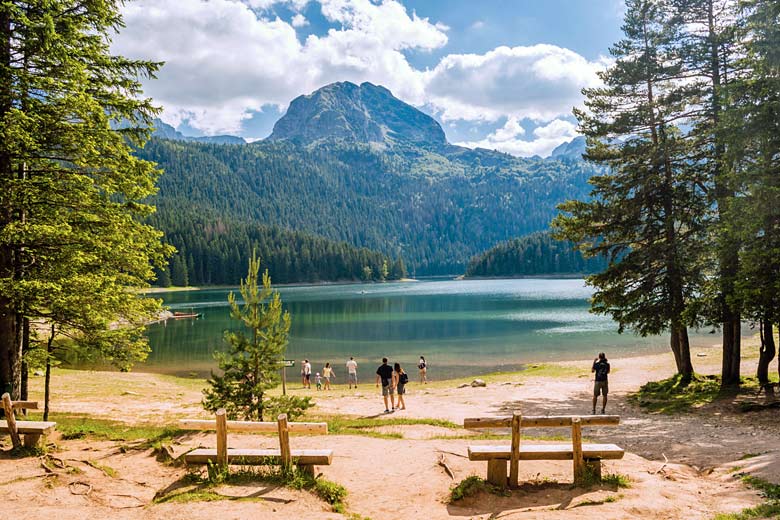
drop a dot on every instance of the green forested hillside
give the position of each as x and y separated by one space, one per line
534 254
215 250
435 208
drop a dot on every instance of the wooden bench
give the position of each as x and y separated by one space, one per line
306 460
32 430
585 457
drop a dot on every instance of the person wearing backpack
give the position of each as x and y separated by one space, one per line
422 365
601 385
400 378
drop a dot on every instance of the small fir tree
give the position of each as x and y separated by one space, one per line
250 367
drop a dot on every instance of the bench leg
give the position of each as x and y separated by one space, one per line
31 440
496 472
307 469
593 467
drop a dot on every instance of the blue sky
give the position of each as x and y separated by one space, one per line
495 73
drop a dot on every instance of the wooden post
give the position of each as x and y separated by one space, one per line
284 441
514 461
10 419
222 459
576 444
496 472
284 378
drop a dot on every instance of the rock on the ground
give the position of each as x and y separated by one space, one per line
464 385
478 382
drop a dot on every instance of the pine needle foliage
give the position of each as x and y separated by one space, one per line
250 366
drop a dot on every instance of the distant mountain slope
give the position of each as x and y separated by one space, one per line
165 131
363 113
571 150
353 163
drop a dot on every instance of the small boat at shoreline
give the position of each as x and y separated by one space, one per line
178 315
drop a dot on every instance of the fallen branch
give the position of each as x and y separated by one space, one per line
443 464
666 461
452 453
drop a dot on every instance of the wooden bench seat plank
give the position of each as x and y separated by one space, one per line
34 427
546 452
254 427
254 456
540 421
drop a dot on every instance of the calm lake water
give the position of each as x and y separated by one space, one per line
461 327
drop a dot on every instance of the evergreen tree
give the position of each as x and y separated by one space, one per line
709 48
71 192
645 214
250 367
751 130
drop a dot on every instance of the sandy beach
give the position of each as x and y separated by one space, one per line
686 465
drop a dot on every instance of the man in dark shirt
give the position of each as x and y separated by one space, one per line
385 374
601 386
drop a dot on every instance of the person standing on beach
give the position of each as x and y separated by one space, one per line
327 373
423 367
401 378
600 386
385 374
352 372
306 374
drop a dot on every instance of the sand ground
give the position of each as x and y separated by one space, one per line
685 466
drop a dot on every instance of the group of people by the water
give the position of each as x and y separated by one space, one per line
327 377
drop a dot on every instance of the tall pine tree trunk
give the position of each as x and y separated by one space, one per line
9 335
766 353
727 244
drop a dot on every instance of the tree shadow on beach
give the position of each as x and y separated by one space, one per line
529 496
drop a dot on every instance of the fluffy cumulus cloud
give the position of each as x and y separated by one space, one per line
538 82
509 139
226 59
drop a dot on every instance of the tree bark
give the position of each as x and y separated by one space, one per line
766 353
47 379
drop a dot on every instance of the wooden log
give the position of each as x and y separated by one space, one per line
284 440
514 460
496 472
255 427
593 467
576 446
545 452
222 459
10 419
25 405
551 421
307 469
31 440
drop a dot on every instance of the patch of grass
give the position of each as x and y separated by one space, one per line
365 426
606 500
471 486
769 509
674 395
750 456
84 426
107 470
202 495
616 479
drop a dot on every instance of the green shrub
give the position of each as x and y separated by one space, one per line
470 486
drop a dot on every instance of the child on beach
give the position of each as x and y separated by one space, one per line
318 380
327 373
401 378
422 365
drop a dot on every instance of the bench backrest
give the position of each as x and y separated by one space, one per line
541 421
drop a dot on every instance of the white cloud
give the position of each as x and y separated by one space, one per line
226 59
539 82
545 138
299 21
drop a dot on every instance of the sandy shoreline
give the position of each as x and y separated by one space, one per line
682 466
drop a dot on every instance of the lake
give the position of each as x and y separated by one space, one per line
462 327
